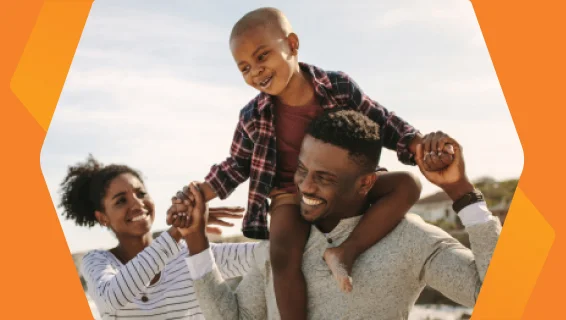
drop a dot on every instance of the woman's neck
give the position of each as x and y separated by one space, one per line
129 247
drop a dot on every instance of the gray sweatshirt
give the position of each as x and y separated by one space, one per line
387 278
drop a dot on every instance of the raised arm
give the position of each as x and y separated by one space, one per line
112 289
396 133
445 264
216 298
223 178
234 259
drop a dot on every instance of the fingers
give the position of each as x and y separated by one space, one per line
199 200
227 209
215 213
438 150
213 230
419 157
219 222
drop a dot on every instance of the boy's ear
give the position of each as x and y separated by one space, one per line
293 41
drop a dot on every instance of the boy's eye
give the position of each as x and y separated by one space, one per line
245 69
121 201
142 194
263 56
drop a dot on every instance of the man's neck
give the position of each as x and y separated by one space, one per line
332 220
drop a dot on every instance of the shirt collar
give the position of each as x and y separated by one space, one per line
320 81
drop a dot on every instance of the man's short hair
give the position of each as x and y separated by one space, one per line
352 131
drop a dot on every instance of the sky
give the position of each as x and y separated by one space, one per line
154 85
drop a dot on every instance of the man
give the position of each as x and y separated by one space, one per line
333 180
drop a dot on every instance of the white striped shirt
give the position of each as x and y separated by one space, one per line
124 291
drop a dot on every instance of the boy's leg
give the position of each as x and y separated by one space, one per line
288 237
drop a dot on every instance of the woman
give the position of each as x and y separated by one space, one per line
142 277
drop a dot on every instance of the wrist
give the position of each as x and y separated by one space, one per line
196 242
458 189
351 248
175 234
414 142
207 191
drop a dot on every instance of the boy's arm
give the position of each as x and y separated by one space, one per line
395 133
392 195
223 178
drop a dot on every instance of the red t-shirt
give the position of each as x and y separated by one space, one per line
290 126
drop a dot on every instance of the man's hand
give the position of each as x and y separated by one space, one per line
452 179
184 199
438 151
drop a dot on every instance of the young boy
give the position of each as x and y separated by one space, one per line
267 141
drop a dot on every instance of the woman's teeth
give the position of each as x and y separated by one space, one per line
140 217
311 202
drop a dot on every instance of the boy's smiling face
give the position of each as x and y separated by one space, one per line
266 58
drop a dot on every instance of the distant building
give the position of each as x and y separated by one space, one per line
435 208
500 210
438 208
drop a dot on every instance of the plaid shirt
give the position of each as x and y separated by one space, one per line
253 150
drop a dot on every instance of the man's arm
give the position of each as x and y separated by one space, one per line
234 259
443 262
217 300
454 270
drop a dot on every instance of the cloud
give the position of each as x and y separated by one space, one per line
440 13
156 88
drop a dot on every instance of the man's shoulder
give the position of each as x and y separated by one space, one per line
413 223
415 233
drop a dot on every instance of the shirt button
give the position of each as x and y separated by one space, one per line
144 299
329 240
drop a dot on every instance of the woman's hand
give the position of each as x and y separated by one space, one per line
184 201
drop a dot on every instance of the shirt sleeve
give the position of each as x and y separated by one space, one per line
395 133
449 267
234 259
112 288
234 170
218 301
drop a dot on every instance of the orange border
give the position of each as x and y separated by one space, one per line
39 41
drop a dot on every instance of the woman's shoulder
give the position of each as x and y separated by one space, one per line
97 256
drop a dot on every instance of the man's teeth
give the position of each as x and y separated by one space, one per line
140 217
311 202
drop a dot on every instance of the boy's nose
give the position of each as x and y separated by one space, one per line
257 71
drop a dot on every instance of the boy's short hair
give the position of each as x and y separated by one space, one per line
267 17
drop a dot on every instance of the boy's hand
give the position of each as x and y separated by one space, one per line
438 151
190 216
184 200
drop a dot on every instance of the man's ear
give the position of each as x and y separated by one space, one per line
367 182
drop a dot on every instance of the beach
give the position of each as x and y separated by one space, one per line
419 312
